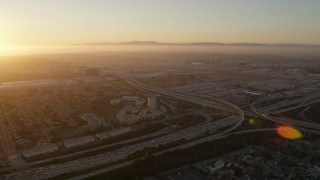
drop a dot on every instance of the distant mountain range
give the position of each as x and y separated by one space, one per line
201 44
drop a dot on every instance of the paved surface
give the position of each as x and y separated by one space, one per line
119 154
212 102
190 144
189 134
282 107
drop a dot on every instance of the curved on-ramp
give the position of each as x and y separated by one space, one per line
303 126
213 102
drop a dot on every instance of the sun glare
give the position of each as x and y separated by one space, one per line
7 50
4 49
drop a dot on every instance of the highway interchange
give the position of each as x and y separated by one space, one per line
122 153
294 103
192 136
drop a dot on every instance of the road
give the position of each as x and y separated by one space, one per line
300 102
190 144
189 134
50 171
212 103
132 140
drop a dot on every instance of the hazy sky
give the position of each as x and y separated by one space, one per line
81 21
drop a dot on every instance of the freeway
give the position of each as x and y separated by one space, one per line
132 140
301 102
187 145
120 154
304 126
188 134
289 103
213 102
190 144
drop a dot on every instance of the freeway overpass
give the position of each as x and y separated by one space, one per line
228 124
213 102
304 126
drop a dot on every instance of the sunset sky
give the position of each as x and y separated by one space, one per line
52 22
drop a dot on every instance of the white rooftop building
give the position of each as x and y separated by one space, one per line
255 93
93 122
114 102
130 98
103 135
140 102
91 118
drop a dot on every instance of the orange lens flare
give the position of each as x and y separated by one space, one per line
288 132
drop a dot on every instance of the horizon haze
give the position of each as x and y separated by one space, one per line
59 23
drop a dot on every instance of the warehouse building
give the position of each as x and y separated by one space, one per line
40 150
80 141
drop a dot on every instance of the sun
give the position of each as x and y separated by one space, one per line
3 49
6 49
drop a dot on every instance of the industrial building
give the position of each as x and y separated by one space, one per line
80 141
113 133
40 150
118 132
